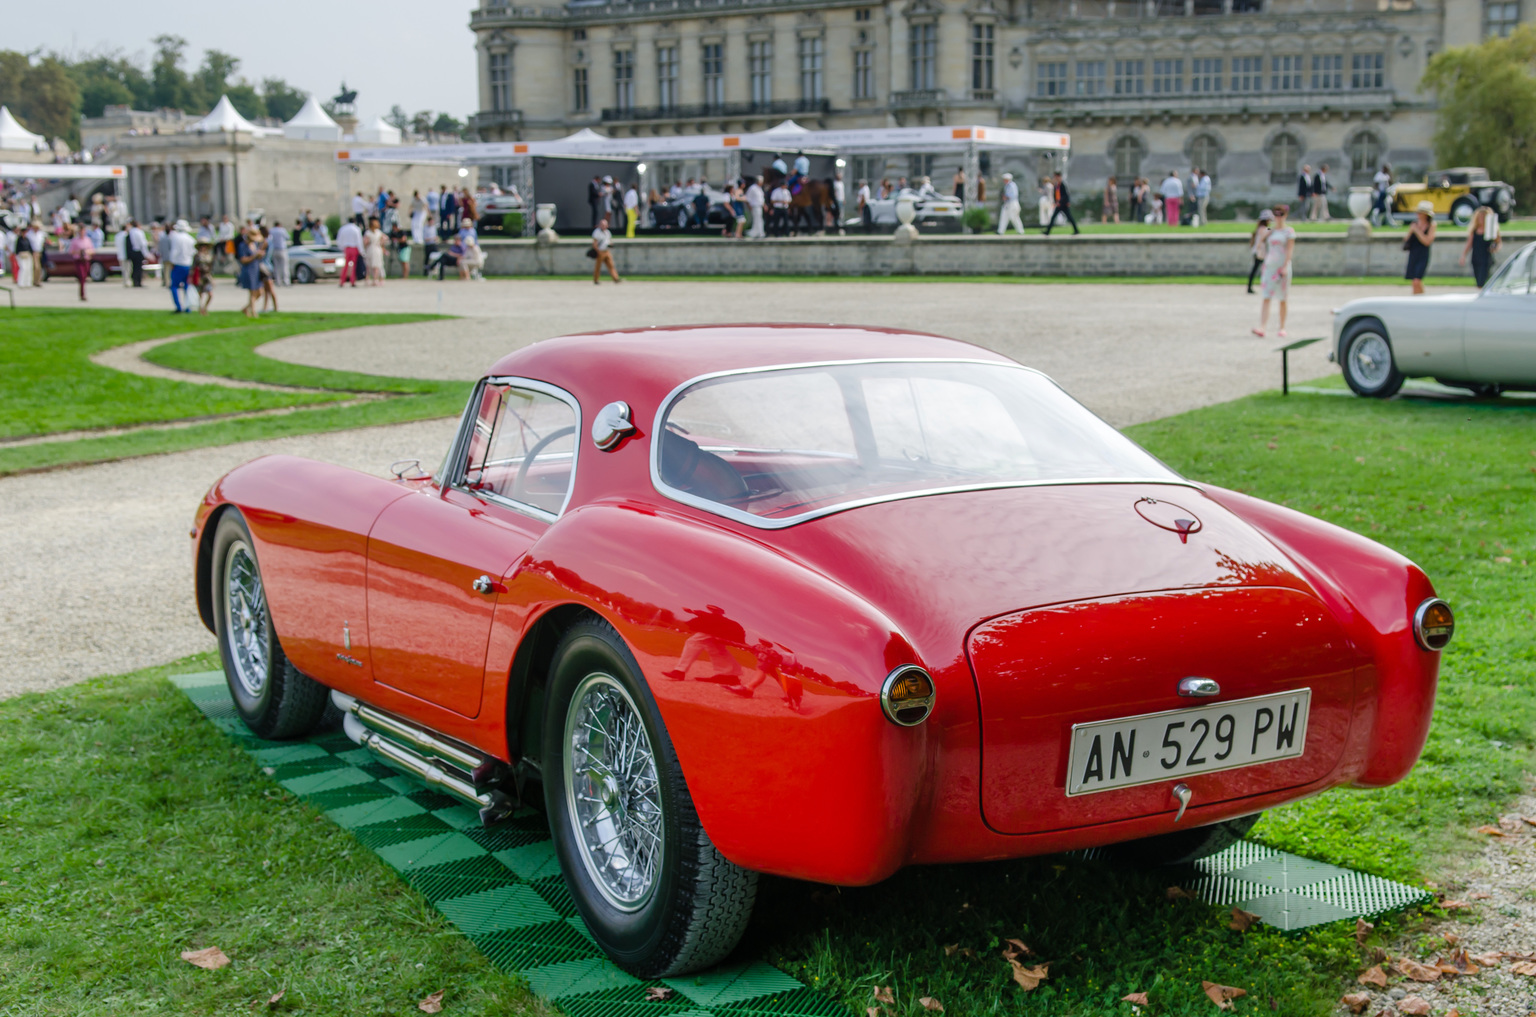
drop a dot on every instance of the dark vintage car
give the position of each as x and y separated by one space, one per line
103 263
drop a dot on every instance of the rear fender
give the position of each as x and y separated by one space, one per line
1374 592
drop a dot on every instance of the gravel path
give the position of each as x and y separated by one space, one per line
96 575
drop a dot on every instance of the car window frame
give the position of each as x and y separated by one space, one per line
766 523
1506 268
451 475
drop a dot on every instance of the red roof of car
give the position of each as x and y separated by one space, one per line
658 359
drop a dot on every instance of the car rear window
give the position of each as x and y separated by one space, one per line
780 446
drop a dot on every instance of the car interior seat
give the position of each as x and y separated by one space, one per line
689 468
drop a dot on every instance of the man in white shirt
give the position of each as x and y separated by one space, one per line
780 199
277 244
602 245
359 208
631 210
183 249
1380 182
39 241
866 213
138 247
837 199
755 203
350 239
1172 191
1008 215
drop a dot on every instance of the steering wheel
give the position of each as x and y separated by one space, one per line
522 471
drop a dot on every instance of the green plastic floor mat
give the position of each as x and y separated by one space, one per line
500 886
503 889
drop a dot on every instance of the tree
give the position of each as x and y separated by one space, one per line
1487 117
169 81
212 81
283 101
421 122
398 118
445 124
42 95
110 79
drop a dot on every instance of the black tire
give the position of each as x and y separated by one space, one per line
273 698
304 274
98 272
1361 351
693 909
1184 846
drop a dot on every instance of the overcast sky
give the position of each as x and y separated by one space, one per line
418 54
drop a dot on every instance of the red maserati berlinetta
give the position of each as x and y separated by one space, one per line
813 601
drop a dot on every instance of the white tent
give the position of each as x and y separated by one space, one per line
379 132
224 117
312 123
15 136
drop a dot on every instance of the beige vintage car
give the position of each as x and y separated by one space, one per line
1484 342
1455 193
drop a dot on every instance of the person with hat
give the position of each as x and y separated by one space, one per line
1421 235
1256 245
1009 213
181 252
1482 243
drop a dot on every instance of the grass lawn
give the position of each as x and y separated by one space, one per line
48 384
1432 282
123 770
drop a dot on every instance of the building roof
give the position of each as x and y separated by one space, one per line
224 117
15 136
312 123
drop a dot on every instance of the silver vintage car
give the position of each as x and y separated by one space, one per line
1484 342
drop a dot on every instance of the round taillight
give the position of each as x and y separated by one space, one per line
907 695
1433 624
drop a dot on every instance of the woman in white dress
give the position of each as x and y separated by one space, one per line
374 244
1275 276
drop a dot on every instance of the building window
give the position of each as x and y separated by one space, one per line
1285 74
1128 153
581 102
861 14
714 73
983 41
1365 151
1206 74
863 74
1167 77
1130 77
1051 78
666 76
1327 71
579 34
1365 70
501 81
919 166
1090 77
1247 74
813 50
624 78
1205 152
760 69
1284 158
923 49
1503 15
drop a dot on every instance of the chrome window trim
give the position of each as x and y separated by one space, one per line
460 446
764 523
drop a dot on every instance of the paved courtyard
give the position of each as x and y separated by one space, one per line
97 576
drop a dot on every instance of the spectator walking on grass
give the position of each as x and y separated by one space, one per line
1061 199
1279 245
1111 209
602 252
80 248
1009 213
1202 182
248 254
1256 245
350 239
1172 191
1482 243
183 252
1421 236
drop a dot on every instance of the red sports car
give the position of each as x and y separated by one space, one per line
812 601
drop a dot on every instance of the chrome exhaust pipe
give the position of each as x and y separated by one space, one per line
358 723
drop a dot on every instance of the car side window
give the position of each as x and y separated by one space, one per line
522 448
1515 278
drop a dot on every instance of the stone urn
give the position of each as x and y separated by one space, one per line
906 211
544 215
1360 202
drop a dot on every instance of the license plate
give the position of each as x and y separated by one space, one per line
1127 751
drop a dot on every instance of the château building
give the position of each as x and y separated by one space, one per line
1250 90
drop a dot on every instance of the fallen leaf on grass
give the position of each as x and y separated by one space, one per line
1242 920
1509 824
1418 1006
1451 939
657 993
873 1011
1356 1001
1492 831
1455 905
432 1004
1179 893
1139 998
277 997
1487 960
1528 820
954 948
210 958
1481 896
1457 963
1222 995
1029 978
1362 930
1378 955
883 994
1373 975
929 1003
1418 972
1017 948
1527 968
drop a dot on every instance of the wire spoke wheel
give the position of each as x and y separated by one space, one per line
1370 358
613 792
245 618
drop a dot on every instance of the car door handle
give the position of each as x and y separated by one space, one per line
485 584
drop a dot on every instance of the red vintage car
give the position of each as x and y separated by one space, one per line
817 602
104 262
